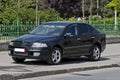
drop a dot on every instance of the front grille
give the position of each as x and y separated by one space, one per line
20 53
21 44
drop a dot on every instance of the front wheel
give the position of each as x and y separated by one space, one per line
95 53
18 60
55 56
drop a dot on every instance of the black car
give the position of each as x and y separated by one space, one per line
53 41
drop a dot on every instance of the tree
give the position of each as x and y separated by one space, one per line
10 9
67 8
80 8
115 4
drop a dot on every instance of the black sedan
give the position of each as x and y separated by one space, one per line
53 41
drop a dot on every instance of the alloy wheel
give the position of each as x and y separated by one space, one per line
56 56
96 53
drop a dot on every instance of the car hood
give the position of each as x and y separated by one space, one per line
34 38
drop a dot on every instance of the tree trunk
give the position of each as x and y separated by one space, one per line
97 7
115 27
36 12
91 3
83 11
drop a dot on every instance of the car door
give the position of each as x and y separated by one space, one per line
84 38
70 41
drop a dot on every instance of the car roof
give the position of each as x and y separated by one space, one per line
62 22
67 22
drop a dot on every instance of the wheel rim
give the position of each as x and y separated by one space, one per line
56 56
96 53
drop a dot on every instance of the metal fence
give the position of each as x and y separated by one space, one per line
11 31
109 29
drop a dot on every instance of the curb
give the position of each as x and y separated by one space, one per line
112 40
46 73
4 46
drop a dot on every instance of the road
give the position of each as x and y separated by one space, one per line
111 55
101 74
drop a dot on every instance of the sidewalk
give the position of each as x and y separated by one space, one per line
35 69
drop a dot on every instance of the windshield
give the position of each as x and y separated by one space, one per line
48 30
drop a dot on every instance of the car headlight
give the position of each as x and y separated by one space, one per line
39 45
11 43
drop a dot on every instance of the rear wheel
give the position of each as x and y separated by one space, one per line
95 53
55 56
18 60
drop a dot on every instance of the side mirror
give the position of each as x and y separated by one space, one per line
67 35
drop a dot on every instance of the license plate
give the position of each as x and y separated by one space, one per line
19 50
36 54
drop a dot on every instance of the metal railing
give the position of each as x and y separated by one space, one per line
109 29
11 31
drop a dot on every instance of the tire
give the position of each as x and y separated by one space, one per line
55 56
18 60
95 53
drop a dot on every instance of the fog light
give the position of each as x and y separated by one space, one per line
36 54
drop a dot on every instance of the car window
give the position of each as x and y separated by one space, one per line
92 29
48 30
72 29
82 29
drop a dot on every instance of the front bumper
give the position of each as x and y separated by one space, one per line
42 53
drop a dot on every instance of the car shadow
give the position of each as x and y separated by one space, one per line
80 60
65 61
104 59
33 62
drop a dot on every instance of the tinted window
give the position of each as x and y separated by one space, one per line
91 29
49 30
82 29
72 29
